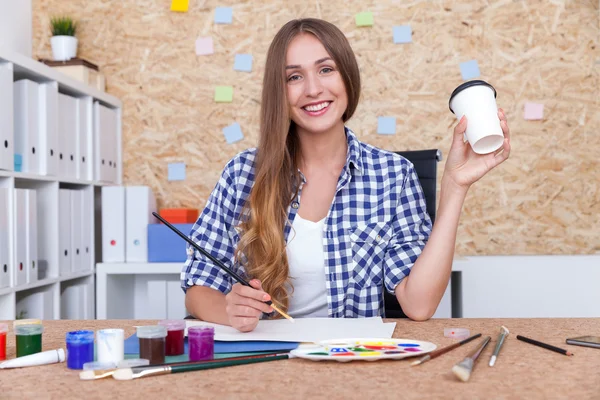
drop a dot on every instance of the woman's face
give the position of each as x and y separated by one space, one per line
315 90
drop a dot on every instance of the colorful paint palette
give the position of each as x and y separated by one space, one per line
363 349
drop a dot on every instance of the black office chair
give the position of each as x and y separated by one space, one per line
425 162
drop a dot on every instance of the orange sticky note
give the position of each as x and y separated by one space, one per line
179 5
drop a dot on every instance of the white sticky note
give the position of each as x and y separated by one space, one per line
533 111
204 46
233 133
176 171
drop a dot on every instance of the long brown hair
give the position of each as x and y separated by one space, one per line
261 249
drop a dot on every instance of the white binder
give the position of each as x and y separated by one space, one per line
175 301
87 226
31 225
67 136
113 224
27 124
64 233
84 139
48 105
76 256
105 143
20 235
139 205
5 271
7 158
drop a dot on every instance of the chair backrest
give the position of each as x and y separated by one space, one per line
425 162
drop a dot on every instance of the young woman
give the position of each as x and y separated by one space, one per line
321 222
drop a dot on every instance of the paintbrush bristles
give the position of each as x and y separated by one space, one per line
284 315
463 369
90 375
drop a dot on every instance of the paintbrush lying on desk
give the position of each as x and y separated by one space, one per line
463 369
127 374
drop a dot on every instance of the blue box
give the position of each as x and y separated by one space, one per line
164 245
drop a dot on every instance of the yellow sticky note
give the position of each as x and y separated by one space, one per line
364 19
224 94
179 5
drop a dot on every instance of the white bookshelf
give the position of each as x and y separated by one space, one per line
54 292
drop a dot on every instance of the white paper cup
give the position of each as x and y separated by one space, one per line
477 100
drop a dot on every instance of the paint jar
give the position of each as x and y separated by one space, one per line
31 321
174 343
29 339
3 333
152 343
80 348
201 342
110 344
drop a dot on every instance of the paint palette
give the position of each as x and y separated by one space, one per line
363 349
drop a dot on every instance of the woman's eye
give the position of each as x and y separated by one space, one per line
326 70
293 78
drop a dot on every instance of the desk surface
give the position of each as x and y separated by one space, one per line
522 370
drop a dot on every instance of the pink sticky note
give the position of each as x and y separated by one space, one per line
533 111
204 46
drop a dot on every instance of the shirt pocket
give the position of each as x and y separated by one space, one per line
369 244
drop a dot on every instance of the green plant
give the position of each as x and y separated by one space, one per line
63 26
22 315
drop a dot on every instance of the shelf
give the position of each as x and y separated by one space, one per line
139 268
28 68
49 178
45 282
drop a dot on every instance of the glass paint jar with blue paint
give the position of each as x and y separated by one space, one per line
80 348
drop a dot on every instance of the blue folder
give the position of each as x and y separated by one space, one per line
132 346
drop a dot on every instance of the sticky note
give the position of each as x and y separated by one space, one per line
223 15
233 133
176 171
204 46
469 70
386 125
243 62
533 111
179 5
402 34
364 19
224 94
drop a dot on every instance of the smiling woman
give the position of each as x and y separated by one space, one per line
321 222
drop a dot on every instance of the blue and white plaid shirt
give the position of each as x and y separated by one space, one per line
376 228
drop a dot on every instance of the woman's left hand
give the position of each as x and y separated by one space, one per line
465 167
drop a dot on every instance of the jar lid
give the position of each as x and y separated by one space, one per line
3 328
80 337
151 331
32 329
133 362
108 333
32 321
201 330
98 365
173 324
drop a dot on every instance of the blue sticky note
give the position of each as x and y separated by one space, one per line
223 15
469 70
386 125
177 171
243 62
233 133
402 34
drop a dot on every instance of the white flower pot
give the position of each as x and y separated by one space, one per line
63 47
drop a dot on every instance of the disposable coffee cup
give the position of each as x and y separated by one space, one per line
477 100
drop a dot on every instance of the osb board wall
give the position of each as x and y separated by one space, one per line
544 200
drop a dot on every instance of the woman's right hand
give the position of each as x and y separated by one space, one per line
245 305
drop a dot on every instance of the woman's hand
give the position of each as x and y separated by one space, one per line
245 305
465 167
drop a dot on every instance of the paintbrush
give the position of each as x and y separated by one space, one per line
463 369
91 375
127 374
444 350
218 263
503 334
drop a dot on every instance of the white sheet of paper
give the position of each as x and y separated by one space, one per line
305 329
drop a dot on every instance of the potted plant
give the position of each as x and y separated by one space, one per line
64 42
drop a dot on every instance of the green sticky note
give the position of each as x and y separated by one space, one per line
224 94
364 19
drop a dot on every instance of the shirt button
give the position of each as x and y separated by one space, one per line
295 204
190 251
378 238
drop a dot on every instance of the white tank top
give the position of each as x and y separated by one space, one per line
307 269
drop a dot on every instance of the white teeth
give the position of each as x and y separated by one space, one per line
317 107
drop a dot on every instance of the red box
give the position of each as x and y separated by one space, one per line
180 215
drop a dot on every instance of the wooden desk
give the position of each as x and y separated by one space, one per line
522 370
